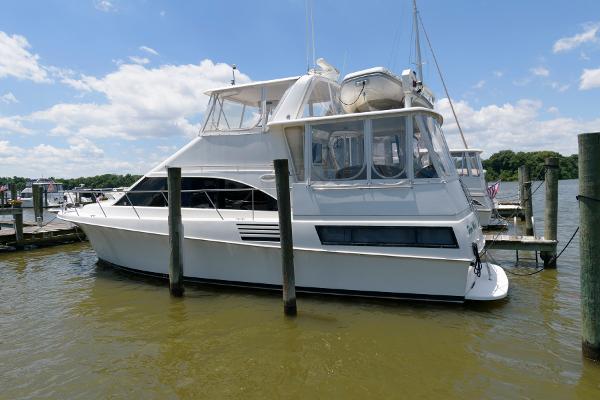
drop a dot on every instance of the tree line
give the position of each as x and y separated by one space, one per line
93 182
504 165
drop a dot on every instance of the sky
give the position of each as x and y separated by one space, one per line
115 86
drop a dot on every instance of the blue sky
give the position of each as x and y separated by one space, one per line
96 86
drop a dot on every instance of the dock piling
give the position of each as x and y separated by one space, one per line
175 232
38 210
589 242
526 200
551 209
13 190
18 225
282 180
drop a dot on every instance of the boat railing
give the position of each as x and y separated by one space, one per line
97 199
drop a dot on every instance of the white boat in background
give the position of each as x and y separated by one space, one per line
52 190
378 209
471 172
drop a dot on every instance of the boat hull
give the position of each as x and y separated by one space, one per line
259 266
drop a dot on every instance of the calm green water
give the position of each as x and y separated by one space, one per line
71 329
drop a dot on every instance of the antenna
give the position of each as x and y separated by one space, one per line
233 68
417 43
310 35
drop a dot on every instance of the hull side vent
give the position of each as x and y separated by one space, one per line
259 232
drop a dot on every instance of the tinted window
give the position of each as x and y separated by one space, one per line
222 193
395 236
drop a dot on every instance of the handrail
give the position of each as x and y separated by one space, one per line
126 194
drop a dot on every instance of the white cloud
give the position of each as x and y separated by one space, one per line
141 102
590 78
560 88
479 84
104 5
80 157
571 42
149 50
540 71
498 74
139 60
17 61
8 98
552 110
162 13
13 125
516 126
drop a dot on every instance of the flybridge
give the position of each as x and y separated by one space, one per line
250 107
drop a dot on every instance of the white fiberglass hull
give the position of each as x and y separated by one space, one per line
317 270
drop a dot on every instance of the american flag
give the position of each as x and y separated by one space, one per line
493 189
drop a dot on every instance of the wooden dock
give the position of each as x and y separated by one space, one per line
50 233
519 242
510 209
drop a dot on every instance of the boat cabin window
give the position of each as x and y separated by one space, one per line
295 139
338 151
322 100
371 149
422 155
387 236
460 163
474 164
200 193
467 163
431 156
388 148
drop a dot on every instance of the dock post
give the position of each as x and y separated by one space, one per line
551 209
38 210
526 200
589 242
45 197
282 179
13 191
18 225
175 233
521 194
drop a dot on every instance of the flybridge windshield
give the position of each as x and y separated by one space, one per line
228 114
245 107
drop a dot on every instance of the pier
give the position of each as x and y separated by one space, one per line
18 235
523 209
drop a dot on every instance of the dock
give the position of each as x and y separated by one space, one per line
510 209
49 233
519 242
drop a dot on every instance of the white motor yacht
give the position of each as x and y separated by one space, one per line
53 191
377 205
469 168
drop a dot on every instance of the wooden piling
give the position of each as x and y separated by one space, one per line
18 225
45 197
38 210
526 200
521 194
175 233
13 191
551 209
282 180
589 242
